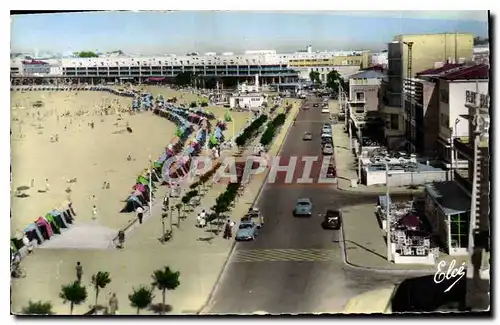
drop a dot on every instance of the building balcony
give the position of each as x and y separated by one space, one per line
463 147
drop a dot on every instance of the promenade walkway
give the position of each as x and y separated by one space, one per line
197 254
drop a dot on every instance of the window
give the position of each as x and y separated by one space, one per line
444 120
444 96
360 96
459 230
394 122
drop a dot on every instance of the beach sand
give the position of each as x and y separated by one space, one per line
92 156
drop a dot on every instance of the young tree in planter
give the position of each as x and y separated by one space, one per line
75 293
100 280
178 206
164 280
193 105
141 298
38 308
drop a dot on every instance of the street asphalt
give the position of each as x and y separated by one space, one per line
295 266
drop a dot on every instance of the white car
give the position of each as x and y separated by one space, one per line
325 110
327 149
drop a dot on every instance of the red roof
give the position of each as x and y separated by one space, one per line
444 68
478 71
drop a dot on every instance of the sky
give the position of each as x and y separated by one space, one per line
236 31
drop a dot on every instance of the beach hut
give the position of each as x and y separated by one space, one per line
34 233
132 204
59 219
53 224
44 227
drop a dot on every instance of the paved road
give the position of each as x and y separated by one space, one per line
294 266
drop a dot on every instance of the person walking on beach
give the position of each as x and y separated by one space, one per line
79 271
140 214
32 184
47 185
94 212
113 304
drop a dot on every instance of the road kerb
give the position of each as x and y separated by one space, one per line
233 245
348 264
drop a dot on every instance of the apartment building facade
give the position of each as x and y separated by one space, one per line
427 51
363 90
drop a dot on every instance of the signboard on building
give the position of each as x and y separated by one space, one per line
471 98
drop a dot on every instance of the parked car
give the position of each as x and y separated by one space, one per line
332 219
305 108
328 149
325 110
326 140
303 208
327 125
316 105
307 136
247 230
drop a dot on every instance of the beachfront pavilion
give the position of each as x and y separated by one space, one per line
447 208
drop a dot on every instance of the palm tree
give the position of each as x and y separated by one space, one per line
38 308
165 280
99 281
75 293
141 298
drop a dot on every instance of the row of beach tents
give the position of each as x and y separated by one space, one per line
44 228
118 92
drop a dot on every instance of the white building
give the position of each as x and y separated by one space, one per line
248 101
454 87
381 59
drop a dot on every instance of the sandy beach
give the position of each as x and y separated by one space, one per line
84 157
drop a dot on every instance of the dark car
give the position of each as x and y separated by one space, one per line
331 172
332 219
315 105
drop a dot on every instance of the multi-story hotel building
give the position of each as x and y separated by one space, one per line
271 67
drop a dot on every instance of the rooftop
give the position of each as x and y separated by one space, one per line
438 71
478 71
369 74
452 198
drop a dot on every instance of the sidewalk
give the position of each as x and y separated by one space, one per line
365 246
345 162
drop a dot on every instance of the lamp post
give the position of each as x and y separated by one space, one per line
388 213
150 186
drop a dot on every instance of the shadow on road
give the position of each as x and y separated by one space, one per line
366 249
160 308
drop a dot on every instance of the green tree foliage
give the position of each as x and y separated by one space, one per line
164 280
193 105
250 131
271 129
100 280
75 293
204 104
141 298
333 78
38 308
314 76
87 54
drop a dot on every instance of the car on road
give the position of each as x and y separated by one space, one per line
305 108
247 230
253 214
303 208
325 110
326 131
331 172
316 105
328 149
332 219
307 136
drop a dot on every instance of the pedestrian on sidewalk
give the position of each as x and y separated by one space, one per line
79 271
203 222
140 213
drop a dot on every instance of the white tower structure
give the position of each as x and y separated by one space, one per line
309 49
